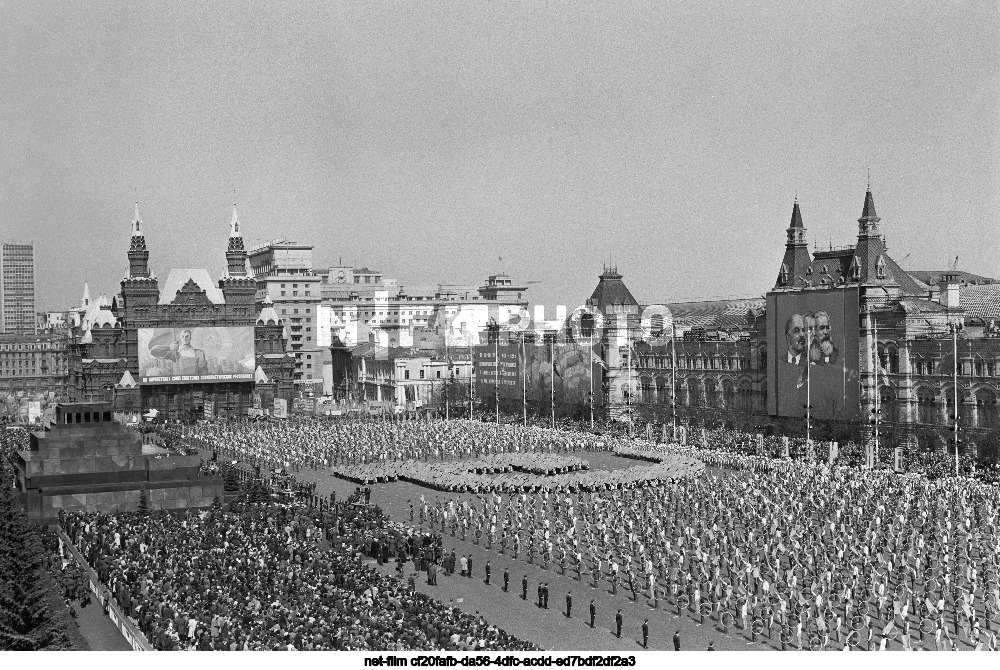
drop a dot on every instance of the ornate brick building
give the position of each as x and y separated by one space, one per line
890 365
139 351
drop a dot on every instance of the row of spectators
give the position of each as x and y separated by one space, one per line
265 579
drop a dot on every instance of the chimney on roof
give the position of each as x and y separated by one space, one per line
948 291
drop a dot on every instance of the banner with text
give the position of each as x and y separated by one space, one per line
202 354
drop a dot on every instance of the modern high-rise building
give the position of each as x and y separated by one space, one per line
17 287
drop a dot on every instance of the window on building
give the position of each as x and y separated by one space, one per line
295 294
926 406
421 374
438 374
406 374
986 406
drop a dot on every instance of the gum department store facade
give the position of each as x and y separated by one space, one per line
104 359
721 349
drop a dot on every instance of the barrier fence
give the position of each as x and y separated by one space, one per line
133 636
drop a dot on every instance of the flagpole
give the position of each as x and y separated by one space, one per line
808 388
524 384
673 376
496 368
628 398
447 383
878 368
472 368
552 383
591 347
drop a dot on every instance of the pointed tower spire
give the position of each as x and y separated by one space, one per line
868 223
234 225
797 259
136 221
85 300
138 255
236 255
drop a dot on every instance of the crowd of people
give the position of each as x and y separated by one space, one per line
819 556
265 579
323 443
521 472
810 553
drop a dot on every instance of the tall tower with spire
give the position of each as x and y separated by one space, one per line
238 288
138 255
795 264
236 255
872 268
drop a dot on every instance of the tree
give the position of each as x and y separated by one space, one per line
231 482
143 502
32 614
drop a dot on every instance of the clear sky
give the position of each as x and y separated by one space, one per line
429 140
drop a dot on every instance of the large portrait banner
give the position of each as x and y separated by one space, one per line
813 353
202 354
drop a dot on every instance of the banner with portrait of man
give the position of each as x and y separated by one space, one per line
199 354
813 352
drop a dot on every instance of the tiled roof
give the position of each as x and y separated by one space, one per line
921 306
267 313
714 314
127 381
179 277
611 290
931 277
369 350
980 301
868 212
907 284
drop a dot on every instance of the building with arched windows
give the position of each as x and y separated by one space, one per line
189 348
846 341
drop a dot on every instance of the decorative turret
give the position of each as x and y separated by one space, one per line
237 287
868 223
138 255
795 265
236 255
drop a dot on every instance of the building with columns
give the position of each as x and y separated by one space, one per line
188 348
846 342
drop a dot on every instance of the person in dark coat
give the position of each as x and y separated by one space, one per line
618 624
569 605
645 634
524 587
593 612
540 590
487 573
506 578
545 596
677 641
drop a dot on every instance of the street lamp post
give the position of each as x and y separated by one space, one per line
955 327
